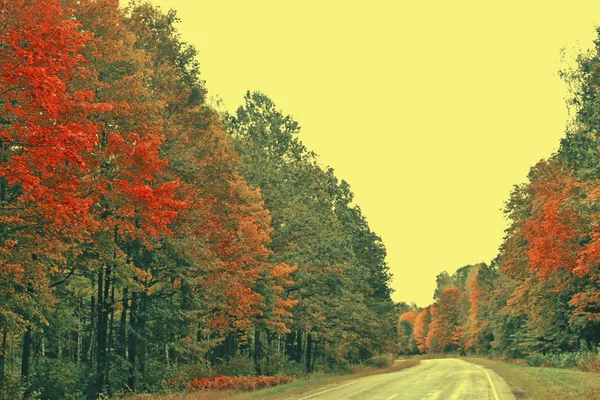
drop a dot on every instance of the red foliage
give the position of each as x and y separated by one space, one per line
47 135
102 145
238 382
553 230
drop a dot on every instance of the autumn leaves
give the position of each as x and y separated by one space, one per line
136 231
97 105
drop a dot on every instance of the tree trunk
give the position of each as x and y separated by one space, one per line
257 350
77 338
132 341
101 359
3 356
268 352
26 354
289 345
141 325
312 366
88 350
299 346
308 352
110 339
121 351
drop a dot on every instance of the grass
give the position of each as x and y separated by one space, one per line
545 383
297 387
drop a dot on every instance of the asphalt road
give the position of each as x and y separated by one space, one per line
442 379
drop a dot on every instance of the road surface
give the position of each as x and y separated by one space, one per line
441 379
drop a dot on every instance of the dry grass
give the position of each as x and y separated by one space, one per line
545 383
196 395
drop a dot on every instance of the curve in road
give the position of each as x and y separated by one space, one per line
440 379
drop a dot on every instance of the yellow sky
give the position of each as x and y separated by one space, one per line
431 110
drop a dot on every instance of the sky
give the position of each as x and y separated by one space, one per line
432 111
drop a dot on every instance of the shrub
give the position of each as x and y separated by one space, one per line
58 379
584 360
12 388
381 361
236 366
535 360
280 364
590 365
174 378
294 369
238 382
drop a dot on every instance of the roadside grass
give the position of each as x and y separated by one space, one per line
295 388
544 383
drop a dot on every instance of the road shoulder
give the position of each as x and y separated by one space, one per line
543 383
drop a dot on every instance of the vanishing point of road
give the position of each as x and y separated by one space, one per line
441 379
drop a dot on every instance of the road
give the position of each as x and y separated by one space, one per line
441 379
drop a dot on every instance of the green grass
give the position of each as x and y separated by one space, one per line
545 383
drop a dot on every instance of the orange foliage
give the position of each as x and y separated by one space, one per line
553 230
435 330
409 317
589 257
420 328
587 305
444 320
473 327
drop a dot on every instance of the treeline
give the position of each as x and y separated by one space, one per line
147 240
539 299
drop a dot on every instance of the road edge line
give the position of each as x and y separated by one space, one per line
494 392
359 380
337 387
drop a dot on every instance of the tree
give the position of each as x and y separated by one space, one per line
446 321
406 337
342 281
421 328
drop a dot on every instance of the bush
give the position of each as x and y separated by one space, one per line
590 365
381 361
535 360
584 360
175 378
12 388
238 382
280 364
236 366
58 379
294 369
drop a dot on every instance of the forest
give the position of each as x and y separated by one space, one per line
148 240
538 300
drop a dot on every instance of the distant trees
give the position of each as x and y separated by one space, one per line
145 240
541 295
406 337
